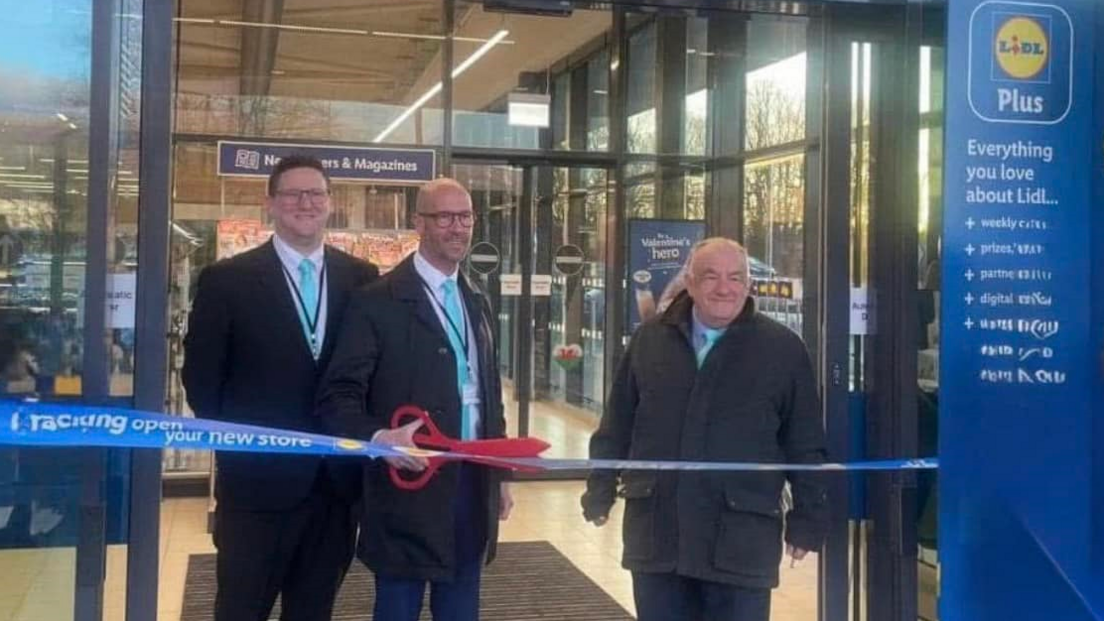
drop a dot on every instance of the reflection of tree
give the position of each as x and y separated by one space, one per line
773 189
774 115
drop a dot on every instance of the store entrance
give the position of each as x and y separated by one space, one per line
540 251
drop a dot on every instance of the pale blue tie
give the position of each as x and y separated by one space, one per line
456 316
308 291
709 337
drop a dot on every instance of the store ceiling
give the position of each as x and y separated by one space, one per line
384 51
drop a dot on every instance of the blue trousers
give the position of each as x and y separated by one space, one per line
671 597
458 600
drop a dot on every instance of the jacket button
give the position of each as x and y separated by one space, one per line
443 351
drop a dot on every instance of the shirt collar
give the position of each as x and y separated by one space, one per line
432 276
698 328
291 258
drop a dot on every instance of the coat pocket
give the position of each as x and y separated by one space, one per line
638 535
749 537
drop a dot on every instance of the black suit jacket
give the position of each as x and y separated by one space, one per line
393 351
247 361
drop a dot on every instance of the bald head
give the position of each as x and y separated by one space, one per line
717 280
429 193
444 223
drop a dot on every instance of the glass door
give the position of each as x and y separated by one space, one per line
539 249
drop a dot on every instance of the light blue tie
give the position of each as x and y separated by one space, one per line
709 337
308 290
456 316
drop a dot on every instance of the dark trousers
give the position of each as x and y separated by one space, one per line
670 597
457 600
301 554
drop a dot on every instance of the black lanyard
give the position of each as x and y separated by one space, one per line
462 336
312 323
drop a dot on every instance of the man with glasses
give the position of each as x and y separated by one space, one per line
261 332
423 335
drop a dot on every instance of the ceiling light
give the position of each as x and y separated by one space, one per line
72 126
19 176
64 119
432 37
436 88
230 22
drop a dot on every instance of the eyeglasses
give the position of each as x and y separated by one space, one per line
444 219
294 197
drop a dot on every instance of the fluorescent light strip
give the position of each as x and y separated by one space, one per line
352 31
468 62
19 176
291 27
430 37
13 168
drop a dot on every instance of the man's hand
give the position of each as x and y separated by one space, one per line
403 436
505 501
795 554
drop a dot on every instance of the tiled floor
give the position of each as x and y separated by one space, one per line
544 511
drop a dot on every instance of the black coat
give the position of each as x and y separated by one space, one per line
246 360
753 400
393 351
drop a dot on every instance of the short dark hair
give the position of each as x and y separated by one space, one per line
295 160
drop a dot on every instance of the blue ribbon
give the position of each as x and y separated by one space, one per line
60 425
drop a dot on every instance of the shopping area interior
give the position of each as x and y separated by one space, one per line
680 115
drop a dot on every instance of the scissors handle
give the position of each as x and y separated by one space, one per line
428 436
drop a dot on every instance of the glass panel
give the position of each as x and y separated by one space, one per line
775 82
568 356
774 232
45 66
496 197
362 72
930 170
502 57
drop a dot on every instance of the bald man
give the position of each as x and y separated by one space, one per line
711 379
423 335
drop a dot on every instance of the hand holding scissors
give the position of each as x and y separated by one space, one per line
427 443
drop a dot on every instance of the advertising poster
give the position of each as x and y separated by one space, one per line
1016 366
657 250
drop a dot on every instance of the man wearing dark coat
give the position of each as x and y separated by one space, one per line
423 335
711 379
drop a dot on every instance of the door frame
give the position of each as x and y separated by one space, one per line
529 206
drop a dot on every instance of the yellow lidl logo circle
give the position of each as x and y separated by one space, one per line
1022 48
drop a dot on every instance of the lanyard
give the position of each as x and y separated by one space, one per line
462 336
312 322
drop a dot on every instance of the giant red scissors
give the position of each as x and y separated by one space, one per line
488 452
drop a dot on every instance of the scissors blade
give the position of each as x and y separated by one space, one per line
502 447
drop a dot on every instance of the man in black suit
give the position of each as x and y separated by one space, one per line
260 334
423 335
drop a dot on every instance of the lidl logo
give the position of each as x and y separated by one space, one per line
1020 67
1022 49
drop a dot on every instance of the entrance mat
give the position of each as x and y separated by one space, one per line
529 580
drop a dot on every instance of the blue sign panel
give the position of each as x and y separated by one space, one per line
1017 365
257 159
657 250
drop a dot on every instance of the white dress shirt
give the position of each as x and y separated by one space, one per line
291 258
435 280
